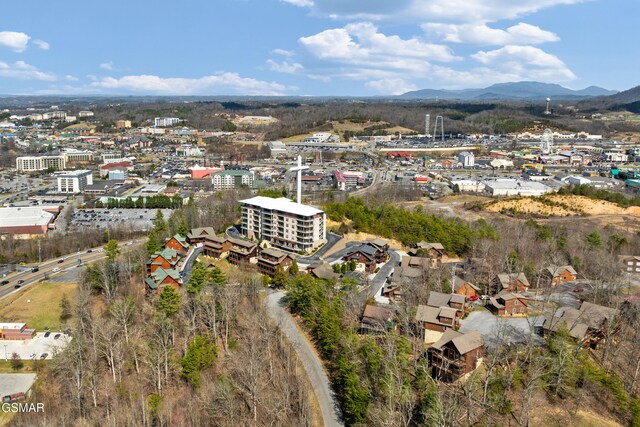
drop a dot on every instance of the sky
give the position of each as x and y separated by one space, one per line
312 47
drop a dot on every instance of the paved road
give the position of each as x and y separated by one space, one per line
385 271
310 360
46 268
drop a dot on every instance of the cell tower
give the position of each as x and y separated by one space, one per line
427 125
546 142
435 128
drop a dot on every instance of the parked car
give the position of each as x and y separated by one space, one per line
473 298
578 289
44 356
46 334
484 297
56 336
89 251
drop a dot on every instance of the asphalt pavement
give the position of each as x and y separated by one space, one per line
307 355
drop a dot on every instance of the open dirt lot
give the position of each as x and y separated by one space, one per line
564 206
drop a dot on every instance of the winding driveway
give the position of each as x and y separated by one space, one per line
310 360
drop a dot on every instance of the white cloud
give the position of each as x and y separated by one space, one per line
393 86
283 52
361 44
107 66
42 44
419 11
219 84
71 78
521 33
22 70
14 40
526 62
284 66
299 3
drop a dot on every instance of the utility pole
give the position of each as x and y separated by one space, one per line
39 252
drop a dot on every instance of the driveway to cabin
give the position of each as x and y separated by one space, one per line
500 330
312 364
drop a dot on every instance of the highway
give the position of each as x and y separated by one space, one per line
46 268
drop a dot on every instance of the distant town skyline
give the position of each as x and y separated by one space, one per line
312 47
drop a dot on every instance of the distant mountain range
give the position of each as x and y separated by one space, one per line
511 91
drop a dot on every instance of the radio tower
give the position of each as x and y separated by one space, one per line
435 128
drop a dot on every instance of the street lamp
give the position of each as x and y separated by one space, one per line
6 357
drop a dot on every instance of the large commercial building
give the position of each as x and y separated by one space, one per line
515 187
165 121
467 159
283 223
40 163
27 221
230 179
16 331
74 181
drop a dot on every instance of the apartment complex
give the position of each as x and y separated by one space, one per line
40 163
283 223
230 179
165 121
74 181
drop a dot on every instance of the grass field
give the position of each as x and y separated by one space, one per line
28 368
38 305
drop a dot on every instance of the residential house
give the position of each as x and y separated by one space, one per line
631 264
434 321
393 292
464 287
271 260
322 270
377 320
416 262
435 251
199 235
455 355
455 301
166 259
242 252
588 325
365 257
507 304
554 275
217 247
382 248
161 278
177 243
516 282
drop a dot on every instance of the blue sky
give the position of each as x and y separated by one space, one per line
312 47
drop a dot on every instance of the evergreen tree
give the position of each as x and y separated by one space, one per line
183 228
200 355
159 225
294 269
197 280
279 279
169 301
217 277
112 250
152 244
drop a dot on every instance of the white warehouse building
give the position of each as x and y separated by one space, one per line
467 159
515 187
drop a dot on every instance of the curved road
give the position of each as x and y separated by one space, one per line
310 360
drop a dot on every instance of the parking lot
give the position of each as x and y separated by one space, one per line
36 347
136 219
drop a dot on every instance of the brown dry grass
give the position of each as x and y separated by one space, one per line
570 206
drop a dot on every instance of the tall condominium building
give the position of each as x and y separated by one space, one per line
283 223
40 163
74 181
230 179
166 121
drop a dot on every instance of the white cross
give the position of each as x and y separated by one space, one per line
299 169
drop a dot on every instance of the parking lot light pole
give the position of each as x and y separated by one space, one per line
6 357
